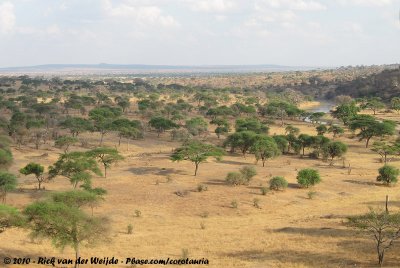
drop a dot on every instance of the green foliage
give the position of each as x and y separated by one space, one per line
282 142
336 130
264 148
316 117
395 104
196 152
385 149
289 129
75 166
369 127
264 190
278 183
242 140
251 124
8 182
334 149
162 124
234 178
65 142
130 229
248 172
6 158
234 204
202 188
65 225
77 125
388 174
36 169
308 177
106 156
280 109
76 198
346 111
373 104
196 126
9 217
321 129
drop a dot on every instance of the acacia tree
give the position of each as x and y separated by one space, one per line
395 104
196 152
242 140
383 227
370 127
385 149
346 111
37 170
75 166
65 142
334 149
388 174
103 118
8 182
264 148
336 130
106 156
76 125
65 224
373 104
161 124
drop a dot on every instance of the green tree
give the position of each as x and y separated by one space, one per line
336 130
370 127
76 166
251 124
334 149
316 117
345 112
37 170
161 124
321 129
248 172
305 140
242 140
373 104
8 182
383 227
196 152
281 142
264 148
278 183
106 156
289 129
65 142
76 125
103 118
196 126
395 104
65 225
388 174
6 158
308 177
385 149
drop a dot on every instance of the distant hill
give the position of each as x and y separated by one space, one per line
104 68
385 85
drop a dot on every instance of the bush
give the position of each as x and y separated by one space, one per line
202 188
264 190
234 204
130 229
388 175
278 183
248 172
234 178
308 177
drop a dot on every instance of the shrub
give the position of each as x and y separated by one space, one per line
234 178
278 183
311 194
264 190
248 172
130 229
202 225
138 213
234 204
202 188
308 177
256 203
388 175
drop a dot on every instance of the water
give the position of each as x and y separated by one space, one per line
325 106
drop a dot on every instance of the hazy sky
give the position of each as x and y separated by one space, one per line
197 32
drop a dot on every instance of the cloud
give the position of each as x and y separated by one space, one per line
212 6
303 5
366 3
7 17
142 15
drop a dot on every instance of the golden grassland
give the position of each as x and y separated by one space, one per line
289 230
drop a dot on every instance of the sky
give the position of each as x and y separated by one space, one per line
200 32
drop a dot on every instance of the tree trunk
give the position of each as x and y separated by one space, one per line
105 172
197 167
119 141
39 182
101 139
76 256
366 145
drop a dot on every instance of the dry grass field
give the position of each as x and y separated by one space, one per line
288 230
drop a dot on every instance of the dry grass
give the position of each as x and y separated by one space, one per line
289 230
